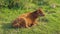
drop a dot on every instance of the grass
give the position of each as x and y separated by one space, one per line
50 24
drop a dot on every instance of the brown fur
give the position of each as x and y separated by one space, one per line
28 19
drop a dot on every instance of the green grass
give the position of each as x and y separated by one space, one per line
50 24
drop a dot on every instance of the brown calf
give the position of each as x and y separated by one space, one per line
28 19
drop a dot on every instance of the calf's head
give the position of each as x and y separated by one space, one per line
40 12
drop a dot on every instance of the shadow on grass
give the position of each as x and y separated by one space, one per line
7 26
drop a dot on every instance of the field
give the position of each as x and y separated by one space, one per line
49 24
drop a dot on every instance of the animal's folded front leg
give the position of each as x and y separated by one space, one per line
35 23
27 26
